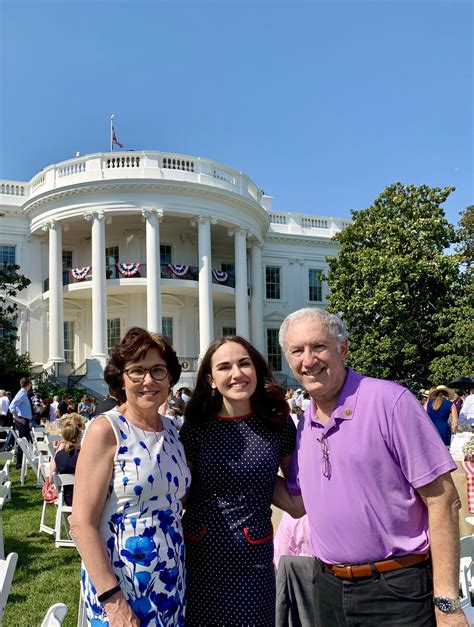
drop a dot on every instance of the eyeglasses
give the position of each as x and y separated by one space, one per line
325 461
136 374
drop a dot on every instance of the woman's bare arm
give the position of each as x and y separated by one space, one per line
93 476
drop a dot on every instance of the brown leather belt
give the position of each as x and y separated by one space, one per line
358 571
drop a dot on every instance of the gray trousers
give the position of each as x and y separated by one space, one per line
294 592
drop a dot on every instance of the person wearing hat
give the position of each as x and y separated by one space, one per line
440 409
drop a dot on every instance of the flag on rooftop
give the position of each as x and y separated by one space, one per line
113 137
115 140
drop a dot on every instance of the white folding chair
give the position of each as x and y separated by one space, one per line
5 486
55 615
52 440
29 459
63 510
466 577
43 526
7 568
38 434
44 459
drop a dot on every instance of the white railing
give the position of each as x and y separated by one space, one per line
102 166
300 223
13 188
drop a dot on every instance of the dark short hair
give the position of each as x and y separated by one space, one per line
135 345
24 381
268 401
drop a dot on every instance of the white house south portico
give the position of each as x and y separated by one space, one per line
176 244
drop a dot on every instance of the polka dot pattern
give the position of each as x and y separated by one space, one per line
227 523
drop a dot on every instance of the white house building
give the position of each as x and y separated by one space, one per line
173 243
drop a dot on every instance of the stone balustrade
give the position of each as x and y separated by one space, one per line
299 223
129 165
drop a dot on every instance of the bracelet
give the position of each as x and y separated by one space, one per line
108 593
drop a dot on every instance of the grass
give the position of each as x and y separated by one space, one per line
44 575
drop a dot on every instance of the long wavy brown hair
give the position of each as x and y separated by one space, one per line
268 401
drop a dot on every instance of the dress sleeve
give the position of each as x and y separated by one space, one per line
188 435
288 438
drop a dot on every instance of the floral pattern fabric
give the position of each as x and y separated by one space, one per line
141 524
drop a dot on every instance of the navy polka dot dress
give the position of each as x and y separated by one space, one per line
227 524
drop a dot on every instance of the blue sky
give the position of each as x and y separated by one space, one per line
322 104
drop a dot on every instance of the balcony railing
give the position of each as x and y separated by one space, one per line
139 271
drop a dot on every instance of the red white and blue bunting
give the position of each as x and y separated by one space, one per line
220 276
128 269
178 270
79 274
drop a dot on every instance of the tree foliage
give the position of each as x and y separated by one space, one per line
391 278
13 365
455 334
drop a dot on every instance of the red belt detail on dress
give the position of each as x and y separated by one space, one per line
259 540
200 536
358 571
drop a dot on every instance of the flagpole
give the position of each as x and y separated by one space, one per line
111 126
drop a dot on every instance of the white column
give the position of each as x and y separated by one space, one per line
241 284
153 218
99 286
256 302
206 311
56 316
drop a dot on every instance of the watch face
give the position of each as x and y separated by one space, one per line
445 604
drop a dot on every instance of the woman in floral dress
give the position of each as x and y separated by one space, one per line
130 477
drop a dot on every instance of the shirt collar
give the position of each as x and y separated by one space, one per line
345 405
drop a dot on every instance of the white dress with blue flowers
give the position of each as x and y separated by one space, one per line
141 524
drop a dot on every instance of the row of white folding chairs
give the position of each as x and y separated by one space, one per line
56 613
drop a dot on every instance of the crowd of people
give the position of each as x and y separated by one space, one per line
174 525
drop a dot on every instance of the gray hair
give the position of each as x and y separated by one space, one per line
334 323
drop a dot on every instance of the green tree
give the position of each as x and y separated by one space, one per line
13 365
455 334
391 278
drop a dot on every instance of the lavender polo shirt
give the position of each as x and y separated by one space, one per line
382 446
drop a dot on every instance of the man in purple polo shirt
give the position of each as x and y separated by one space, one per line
375 480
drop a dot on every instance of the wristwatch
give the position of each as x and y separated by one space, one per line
447 605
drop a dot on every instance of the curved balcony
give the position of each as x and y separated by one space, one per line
105 167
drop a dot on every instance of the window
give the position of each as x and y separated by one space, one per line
165 254
7 255
9 331
67 259
315 285
273 282
111 261
273 349
228 331
167 328
113 333
69 342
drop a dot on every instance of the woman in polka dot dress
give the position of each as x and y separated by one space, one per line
236 435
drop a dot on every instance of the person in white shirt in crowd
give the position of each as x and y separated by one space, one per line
4 404
306 402
298 397
466 415
53 415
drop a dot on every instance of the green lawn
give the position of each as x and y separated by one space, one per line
44 575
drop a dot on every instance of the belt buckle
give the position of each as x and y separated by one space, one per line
347 571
